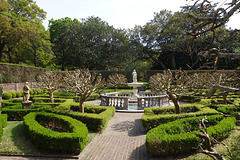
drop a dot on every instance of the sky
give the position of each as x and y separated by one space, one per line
119 13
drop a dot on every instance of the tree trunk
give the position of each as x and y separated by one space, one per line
35 57
175 102
1 50
81 105
51 96
173 61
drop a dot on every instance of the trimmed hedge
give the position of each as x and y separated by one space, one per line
3 123
95 117
7 95
155 116
15 113
178 137
228 109
11 102
73 141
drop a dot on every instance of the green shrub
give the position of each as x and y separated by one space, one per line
3 120
155 116
7 95
178 137
13 94
16 114
228 109
73 140
11 102
31 91
95 117
3 123
19 94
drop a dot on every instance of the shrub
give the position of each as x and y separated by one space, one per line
13 94
7 95
96 118
155 116
73 141
15 113
3 123
19 94
31 91
11 102
179 137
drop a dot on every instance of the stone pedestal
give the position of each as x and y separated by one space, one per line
27 105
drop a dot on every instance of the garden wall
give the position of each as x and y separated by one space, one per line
18 74
7 87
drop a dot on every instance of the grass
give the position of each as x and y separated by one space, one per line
15 140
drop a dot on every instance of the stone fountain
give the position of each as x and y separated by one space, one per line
134 101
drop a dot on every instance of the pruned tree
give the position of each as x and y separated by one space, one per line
206 146
222 80
51 81
84 83
116 80
173 85
200 82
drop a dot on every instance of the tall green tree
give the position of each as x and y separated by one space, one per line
20 29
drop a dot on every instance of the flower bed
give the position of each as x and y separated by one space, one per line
72 140
178 137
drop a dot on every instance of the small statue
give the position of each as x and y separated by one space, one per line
26 94
134 76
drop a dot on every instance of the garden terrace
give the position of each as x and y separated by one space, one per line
178 137
155 116
75 134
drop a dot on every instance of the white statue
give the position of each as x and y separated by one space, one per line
134 73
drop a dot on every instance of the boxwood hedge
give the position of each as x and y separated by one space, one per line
155 116
16 113
95 117
72 140
179 137
3 123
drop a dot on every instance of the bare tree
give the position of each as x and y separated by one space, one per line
84 83
174 85
117 80
51 81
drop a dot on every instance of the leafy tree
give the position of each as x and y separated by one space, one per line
21 22
84 83
173 85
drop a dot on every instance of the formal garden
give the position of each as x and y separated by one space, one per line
61 87
58 121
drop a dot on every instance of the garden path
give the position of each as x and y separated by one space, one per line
124 138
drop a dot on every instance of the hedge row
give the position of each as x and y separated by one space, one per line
95 117
11 102
155 116
73 140
228 109
16 113
178 137
3 123
17 94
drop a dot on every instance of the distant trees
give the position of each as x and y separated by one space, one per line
89 43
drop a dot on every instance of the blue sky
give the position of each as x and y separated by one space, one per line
119 13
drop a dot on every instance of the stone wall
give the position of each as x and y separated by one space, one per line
7 87
18 74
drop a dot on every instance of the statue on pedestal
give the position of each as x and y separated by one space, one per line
134 73
26 104
26 94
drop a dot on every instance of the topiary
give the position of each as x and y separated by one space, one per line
6 95
13 94
19 94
